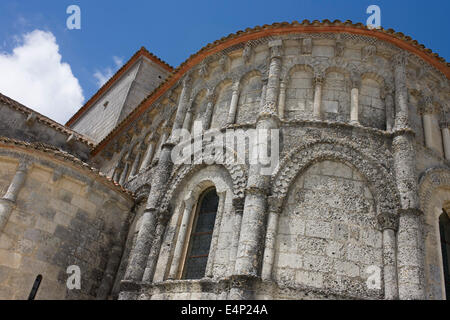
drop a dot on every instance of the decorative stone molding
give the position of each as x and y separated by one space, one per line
182 172
429 181
380 181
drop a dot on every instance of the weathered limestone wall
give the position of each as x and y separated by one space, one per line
327 232
63 214
360 120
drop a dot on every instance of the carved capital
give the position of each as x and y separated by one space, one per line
399 60
410 212
276 47
388 220
275 204
243 282
318 79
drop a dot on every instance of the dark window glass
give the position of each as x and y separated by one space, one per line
200 241
444 228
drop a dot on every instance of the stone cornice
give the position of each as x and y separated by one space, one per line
397 39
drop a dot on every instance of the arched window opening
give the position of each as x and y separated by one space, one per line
201 236
444 229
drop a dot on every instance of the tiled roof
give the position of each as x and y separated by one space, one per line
43 119
62 155
389 35
140 53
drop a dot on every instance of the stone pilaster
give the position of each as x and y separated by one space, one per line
282 100
251 241
123 176
387 95
175 267
317 106
401 93
271 235
182 107
8 201
429 114
234 103
207 117
354 105
149 152
163 219
135 166
144 241
238 205
445 138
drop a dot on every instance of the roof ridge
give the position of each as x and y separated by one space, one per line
46 120
141 52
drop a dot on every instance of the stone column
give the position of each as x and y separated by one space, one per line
354 106
163 140
233 104
148 156
207 117
390 109
8 201
141 250
271 235
135 166
123 176
215 236
116 175
156 247
139 253
182 108
175 267
318 82
189 114
446 138
428 112
282 100
410 258
251 241
389 224
238 205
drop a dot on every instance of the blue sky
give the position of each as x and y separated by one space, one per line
111 31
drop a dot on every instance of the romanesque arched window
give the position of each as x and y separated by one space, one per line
444 228
201 235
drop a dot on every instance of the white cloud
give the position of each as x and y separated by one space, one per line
107 73
34 75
